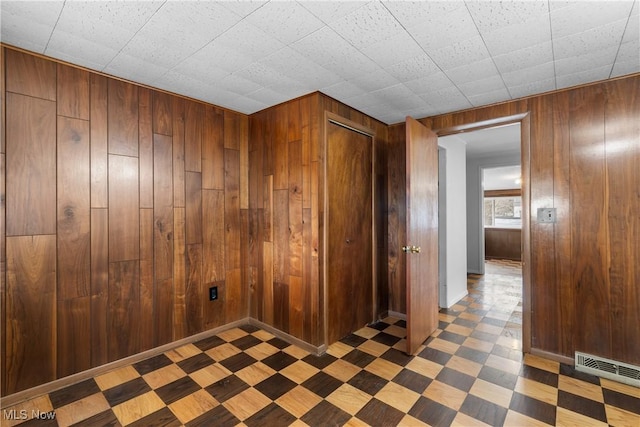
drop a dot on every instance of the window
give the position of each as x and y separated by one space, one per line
503 212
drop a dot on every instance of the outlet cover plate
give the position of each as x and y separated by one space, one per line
547 215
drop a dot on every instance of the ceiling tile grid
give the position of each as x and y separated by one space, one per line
386 58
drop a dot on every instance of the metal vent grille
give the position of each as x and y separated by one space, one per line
606 368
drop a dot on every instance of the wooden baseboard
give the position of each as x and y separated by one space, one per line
318 351
397 315
552 356
30 393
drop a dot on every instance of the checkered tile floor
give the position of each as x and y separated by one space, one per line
471 372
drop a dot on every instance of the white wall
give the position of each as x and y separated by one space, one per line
475 231
455 225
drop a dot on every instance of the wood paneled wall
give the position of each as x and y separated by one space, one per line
584 150
286 202
123 205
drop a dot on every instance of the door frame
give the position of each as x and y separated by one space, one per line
333 118
525 162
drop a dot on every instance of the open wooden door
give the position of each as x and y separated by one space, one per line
421 249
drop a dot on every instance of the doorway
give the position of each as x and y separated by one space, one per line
349 231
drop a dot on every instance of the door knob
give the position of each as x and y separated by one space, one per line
411 249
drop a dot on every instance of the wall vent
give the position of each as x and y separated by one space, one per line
606 368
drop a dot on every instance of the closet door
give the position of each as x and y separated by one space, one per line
349 255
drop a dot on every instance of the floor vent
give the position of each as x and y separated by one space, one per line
606 368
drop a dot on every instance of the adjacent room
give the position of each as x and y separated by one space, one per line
319 213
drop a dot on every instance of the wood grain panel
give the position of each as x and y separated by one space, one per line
162 113
74 217
194 207
504 243
232 211
247 274
296 305
163 311
178 153
231 130
193 130
213 149
145 147
123 118
281 149
31 311
3 264
179 274
294 120
281 306
309 312
281 236
3 125
254 260
31 166
99 285
99 141
622 150
29 75
123 320
214 311
589 213
295 208
194 290
147 283
268 208
244 162
73 337
124 221
268 138
256 176
162 206
267 274
213 269
73 92
305 135
233 307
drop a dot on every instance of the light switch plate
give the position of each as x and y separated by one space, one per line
546 215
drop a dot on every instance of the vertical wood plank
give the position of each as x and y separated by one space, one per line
306 120
31 311
31 166
3 266
73 208
214 311
162 206
232 210
178 152
123 310
145 141
3 125
29 75
267 274
73 92
256 176
123 118
194 207
162 113
268 208
213 150
193 131
307 267
622 148
589 212
244 162
99 285
179 274
246 271
124 221
99 143
147 291
281 149
231 130
281 236
296 306
73 336
233 296
281 306
213 234
294 120
194 293
295 208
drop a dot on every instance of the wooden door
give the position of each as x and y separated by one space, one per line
349 268
421 249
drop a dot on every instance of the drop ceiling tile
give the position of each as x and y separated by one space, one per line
373 81
489 16
329 11
290 89
367 25
524 58
489 97
483 86
577 17
179 83
214 55
135 69
399 97
632 30
628 59
80 51
421 13
594 39
532 88
242 8
454 27
433 82
473 71
290 63
518 36
237 83
592 75
414 68
531 74
267 96
245 105
444 99
363 101
28 25
594 59
460 53
342 90
250 40
394 50
286 21
260 74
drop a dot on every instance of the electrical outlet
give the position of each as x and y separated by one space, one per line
213 293
546 215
